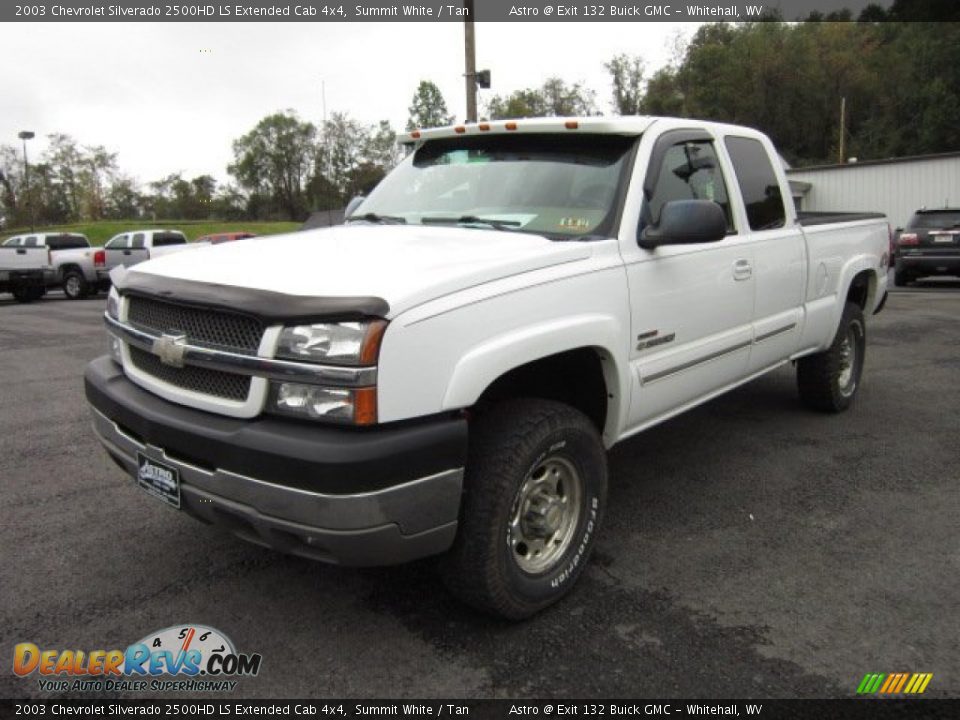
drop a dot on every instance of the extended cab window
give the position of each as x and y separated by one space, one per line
162 239
137 242
758 183
118 242
30 241
689 171
561 185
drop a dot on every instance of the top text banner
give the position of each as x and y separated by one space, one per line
424 10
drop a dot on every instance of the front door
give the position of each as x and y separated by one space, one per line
691 305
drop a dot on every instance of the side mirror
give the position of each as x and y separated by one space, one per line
898 230
686 221
353 205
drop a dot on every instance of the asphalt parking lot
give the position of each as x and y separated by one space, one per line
751 548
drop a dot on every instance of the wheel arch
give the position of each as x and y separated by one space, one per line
572 361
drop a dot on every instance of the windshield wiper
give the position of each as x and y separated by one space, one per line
471 220
378 219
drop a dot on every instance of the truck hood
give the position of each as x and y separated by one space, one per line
403 265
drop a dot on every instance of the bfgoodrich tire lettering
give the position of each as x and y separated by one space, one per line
829 381
530 462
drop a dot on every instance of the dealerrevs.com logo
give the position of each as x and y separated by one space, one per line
180 658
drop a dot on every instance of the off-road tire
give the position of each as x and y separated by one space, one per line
508 446
821 378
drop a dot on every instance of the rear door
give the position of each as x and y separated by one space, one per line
779 252
691 305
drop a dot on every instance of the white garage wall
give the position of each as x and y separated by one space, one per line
896 188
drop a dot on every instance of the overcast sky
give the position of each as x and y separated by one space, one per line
170 97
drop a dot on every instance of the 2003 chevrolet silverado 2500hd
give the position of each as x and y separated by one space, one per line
444 373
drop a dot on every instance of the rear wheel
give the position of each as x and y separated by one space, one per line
75 285
534 495
828 381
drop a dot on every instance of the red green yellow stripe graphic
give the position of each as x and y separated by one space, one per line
894 683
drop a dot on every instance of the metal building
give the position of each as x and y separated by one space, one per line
896 187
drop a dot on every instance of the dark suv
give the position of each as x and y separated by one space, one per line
929 245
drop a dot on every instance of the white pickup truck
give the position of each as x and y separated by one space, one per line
136 246
25 271
444 374
70 258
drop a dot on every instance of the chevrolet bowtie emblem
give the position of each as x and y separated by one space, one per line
170 349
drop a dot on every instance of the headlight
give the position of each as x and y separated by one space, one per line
113 304
347 343
355 406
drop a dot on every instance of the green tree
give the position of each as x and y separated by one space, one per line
273 163
554 98
428 108
898 81
123 199
99 166
351 159
626 74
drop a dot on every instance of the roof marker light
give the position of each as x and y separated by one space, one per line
484 126
511 126
571 124
460 129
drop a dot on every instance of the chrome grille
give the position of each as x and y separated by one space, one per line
208 328
201 380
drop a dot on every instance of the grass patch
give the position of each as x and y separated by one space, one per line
101 231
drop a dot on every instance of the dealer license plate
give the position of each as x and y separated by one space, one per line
158 479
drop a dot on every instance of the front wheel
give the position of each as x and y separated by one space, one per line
828 381
535 491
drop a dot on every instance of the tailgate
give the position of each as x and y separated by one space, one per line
939 241
19 258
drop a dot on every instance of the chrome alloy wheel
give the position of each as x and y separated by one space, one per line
545 515
846 380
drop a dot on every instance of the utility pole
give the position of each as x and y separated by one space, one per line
470 52
843 127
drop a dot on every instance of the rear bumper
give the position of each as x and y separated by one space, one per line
10 279
929 265
355 498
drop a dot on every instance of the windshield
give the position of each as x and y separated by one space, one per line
559 185
947 219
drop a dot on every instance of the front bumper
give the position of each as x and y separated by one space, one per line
354 497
